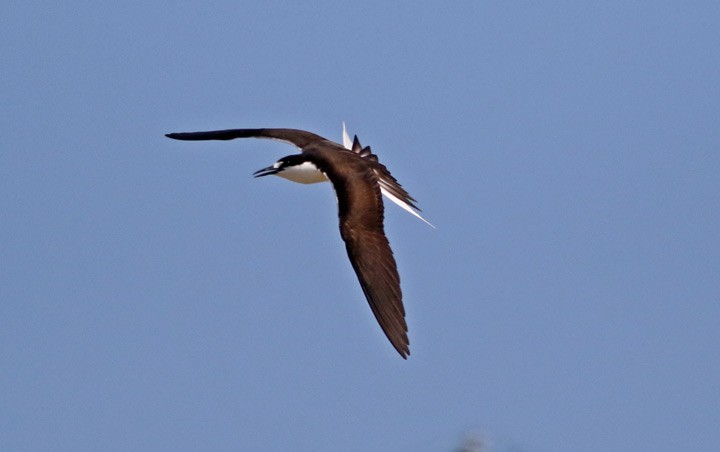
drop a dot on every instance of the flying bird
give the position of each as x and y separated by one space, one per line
359 179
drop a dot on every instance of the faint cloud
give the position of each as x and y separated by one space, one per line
474 441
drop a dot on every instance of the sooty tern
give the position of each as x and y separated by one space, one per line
358 179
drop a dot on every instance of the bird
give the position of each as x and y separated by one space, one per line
358 179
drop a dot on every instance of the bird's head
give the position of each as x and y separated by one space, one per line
296 168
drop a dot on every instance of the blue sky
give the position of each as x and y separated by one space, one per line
154 296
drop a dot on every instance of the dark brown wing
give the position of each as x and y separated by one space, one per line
360 209
372 259
299 138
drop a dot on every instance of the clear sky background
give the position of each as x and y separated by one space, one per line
155 297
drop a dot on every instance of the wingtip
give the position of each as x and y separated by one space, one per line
402 345
403 351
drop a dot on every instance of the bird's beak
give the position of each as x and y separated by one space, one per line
270 170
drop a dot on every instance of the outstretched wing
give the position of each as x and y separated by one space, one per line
360 210
373 262
299 138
